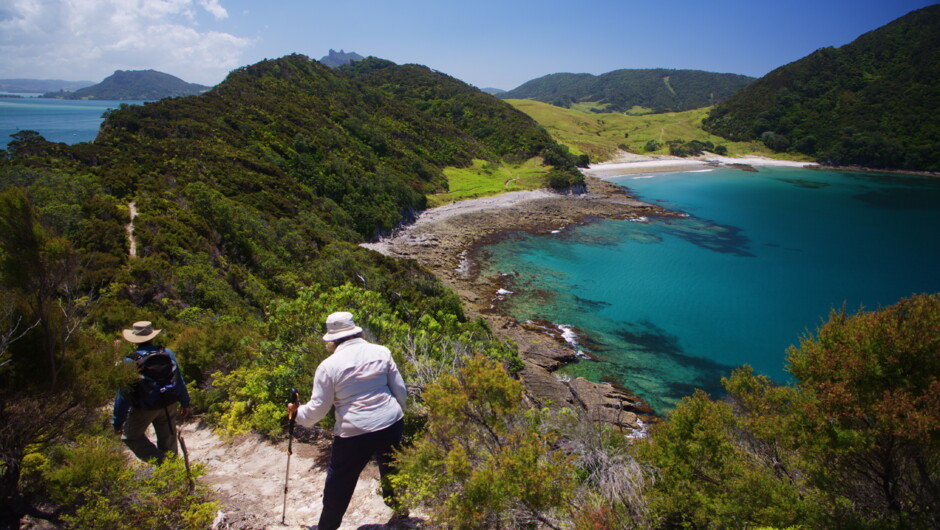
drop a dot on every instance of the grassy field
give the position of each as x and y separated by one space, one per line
486 178
601 134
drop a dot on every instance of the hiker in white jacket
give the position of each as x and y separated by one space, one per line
362 382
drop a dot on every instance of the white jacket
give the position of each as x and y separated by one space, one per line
362 381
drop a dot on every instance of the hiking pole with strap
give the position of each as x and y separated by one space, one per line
294 397
179 437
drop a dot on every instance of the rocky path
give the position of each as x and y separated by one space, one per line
132 243
248 475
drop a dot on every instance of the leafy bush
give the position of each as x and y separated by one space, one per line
484 461
691 148
652 145
98 487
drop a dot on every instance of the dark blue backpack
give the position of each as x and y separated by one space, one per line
158 385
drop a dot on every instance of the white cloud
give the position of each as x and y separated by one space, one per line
89 39
214 8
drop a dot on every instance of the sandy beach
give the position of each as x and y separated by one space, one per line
629 164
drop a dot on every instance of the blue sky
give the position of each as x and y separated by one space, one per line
486 43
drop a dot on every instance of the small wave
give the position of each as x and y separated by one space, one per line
464 268
639 433
702 171
503 291
569 335
644 177
556 231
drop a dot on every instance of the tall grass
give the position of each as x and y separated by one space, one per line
488 178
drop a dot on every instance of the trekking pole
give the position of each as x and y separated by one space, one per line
179 437
294 397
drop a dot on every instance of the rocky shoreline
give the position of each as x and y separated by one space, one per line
444 240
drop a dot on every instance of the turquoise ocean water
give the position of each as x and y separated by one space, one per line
675 304
56 120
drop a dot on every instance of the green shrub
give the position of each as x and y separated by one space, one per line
98 487
485 461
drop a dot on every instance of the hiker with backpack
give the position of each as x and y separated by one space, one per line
156 398
361 381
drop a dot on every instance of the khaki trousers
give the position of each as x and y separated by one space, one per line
135 432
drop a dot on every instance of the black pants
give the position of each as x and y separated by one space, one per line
347 460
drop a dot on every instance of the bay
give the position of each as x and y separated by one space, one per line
57 120
674 304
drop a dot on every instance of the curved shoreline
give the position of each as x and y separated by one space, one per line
445 240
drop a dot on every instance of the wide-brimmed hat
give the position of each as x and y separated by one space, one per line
142 332
340 325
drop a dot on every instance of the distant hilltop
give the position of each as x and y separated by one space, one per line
638 91
335 59
147 85
39 86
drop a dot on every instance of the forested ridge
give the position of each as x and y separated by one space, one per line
250 200
656 90
872 102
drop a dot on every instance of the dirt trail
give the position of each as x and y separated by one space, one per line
132 207
248 475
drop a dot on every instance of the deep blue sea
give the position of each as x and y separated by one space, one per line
57 120
675 304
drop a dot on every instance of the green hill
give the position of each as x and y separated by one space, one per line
242 189
873 102
634 91
146 85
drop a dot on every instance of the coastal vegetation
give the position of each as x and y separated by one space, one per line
142 85
870 103
632 91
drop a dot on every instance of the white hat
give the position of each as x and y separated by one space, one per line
340 325
143 331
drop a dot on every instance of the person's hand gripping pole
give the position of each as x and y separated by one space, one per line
293 400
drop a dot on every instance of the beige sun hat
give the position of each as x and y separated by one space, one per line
340 325
142 332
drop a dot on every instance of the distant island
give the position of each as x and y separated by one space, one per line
338 58
40 86
634 91
147 85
